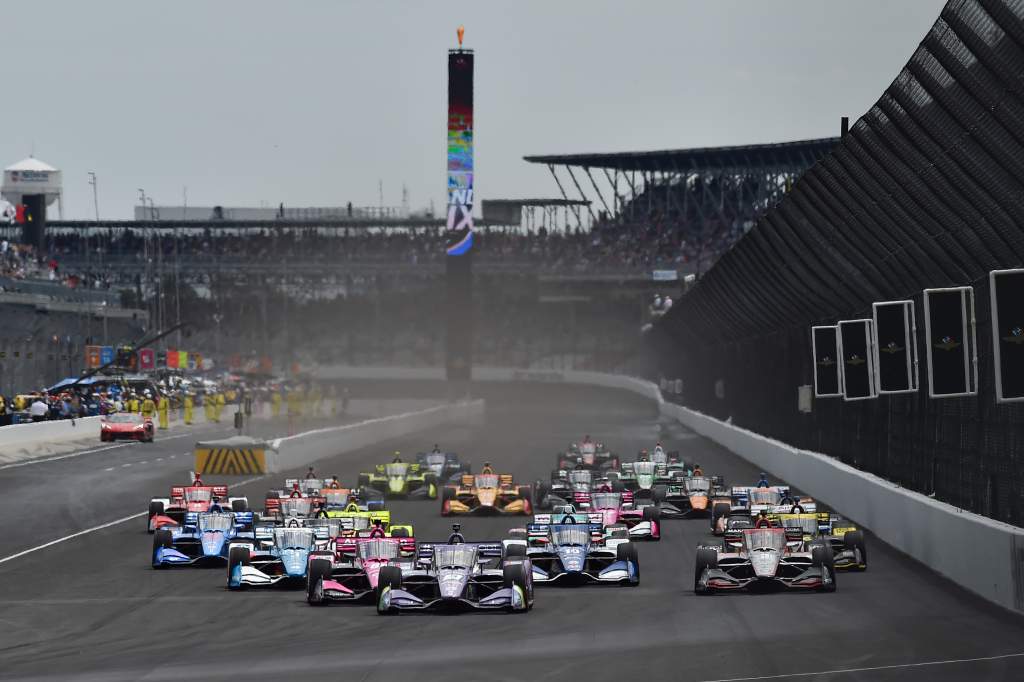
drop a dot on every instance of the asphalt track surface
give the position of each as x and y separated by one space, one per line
91 608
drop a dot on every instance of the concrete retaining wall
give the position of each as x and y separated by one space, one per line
982 555
57 431
304 448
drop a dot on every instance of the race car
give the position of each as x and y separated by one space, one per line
330 499
537 532
751 500
589 455
486 495
444 465
691 496
400 480
618 510
571 557
849 550
202 543
354 573
764 558
126 426
187 501
572 486
650 480
458 575
280 556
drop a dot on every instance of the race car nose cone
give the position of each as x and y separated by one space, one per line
294 561
212 542
450 583
572 558
764 563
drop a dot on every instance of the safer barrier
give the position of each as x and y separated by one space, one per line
982 555
303 448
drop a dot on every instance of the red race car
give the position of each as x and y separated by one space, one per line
187 501
126 425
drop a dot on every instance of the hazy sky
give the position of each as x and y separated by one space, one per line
312 102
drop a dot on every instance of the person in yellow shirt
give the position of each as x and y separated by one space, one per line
275 404
189 405
209 406
163 408
133 404
148 408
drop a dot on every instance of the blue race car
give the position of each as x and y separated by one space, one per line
572 557
445 465
202 540
281 556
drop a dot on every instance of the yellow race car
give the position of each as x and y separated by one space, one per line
486 494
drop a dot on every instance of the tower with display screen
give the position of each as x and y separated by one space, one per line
459 242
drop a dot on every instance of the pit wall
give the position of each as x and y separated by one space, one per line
58 431
982 555
304 448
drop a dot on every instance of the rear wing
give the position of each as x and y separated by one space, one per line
349 546
346 518
504 479
485 550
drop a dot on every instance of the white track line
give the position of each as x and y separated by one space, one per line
54 459
841 671
108 524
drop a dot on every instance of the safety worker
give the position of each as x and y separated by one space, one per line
220 406
763 520
209 406
763 482
133 403
163 408
189 406
148 407
275 404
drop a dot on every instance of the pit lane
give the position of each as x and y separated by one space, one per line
91 608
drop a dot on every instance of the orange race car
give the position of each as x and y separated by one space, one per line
486 494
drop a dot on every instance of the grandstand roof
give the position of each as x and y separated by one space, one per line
538 202
801 153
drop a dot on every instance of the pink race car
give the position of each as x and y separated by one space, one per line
619 512
362 567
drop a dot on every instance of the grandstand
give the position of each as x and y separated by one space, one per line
924 191
687 205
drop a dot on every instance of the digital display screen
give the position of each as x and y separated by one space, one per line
460 153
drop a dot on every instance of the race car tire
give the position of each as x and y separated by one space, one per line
239 506
652 513
161 538
390 576
318 570
525 492
659 493
854 540
626 551
515 551
237 556
363 481
515 575
617 485
822 556
400 532
706 558
156 508
448 493
718 510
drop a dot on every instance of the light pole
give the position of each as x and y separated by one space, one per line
217 317
96 208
